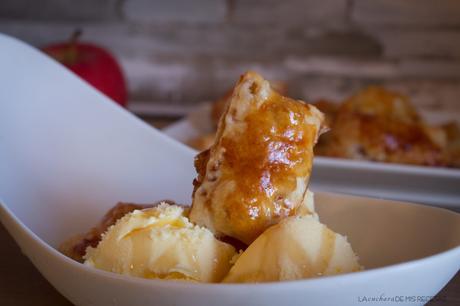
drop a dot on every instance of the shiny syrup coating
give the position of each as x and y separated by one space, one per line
398 142
265 161
380 125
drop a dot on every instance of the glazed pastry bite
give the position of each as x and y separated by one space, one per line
380 125
204 142
452 138
219 106
257 170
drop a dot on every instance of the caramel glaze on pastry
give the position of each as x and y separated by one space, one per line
219 106
204 142
258 168
380 125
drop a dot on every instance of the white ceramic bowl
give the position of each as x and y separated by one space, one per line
67 154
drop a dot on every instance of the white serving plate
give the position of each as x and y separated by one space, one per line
428 185
68 154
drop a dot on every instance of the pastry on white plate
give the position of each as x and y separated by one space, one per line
257 171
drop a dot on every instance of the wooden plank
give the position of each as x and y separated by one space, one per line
427 43
59 10
175 11
260 13
406 13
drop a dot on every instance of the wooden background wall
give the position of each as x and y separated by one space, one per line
177 53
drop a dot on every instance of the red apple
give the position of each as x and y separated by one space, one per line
93 64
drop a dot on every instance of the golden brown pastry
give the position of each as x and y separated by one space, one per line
380 125
218 107
452 137
203 142
258 168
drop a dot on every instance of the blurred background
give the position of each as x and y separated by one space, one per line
177 53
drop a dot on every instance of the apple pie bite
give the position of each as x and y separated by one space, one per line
219 106
258 168
380 125
205 141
